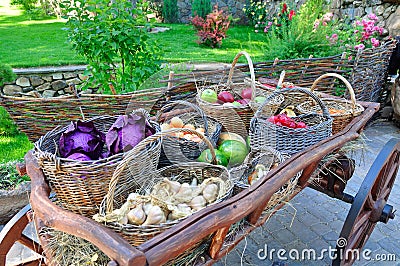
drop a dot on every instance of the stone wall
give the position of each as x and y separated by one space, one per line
44 82
388 11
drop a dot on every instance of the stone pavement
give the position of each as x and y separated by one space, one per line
312 220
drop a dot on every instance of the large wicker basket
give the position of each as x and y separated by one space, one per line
235 119
189 149
289 140
80 186
125 181
341 110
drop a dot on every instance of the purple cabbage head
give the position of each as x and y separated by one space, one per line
127 131
79 157
82 137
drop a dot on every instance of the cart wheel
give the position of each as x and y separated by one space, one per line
12 233
369 206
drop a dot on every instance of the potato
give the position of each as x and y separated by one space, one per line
176 122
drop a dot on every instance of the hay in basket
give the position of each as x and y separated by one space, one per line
290 135
235 117
164 190
80 186
187 115
341 110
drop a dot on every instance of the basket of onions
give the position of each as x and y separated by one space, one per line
79 160
184 147
233 104
140 207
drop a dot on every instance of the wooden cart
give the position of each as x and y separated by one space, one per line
368 208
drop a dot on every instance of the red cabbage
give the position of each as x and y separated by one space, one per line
127 131
82 137
79 157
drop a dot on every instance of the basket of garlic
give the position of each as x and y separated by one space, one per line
184 147
139 209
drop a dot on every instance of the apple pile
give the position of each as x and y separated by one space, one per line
284 120
177 122
226 98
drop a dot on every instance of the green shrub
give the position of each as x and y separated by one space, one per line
6 74
114 38
201 8
170 11
7 125
9 177
256 11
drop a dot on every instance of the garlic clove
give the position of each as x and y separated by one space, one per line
197 203
146 207
210 192
124 220
184 194
156 216
174 186
136 216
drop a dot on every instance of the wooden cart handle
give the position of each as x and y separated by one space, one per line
345 81
109 242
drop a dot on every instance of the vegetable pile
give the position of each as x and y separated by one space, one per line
176 122
83 142
286 121
168 201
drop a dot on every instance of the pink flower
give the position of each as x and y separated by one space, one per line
266 29
334 36
380 30
372 16
359 47
316 24
327 17
375 42
269 23
358 23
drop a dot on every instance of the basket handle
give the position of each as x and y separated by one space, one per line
193 106
345 81
251 68
324 109
130 155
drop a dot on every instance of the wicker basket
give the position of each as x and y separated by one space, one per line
124 182
189 150
289 140
342 111
235 119
80 186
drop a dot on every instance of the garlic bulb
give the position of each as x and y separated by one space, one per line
156 216
124 220
146 207
180 211
197 203
173 186
210 192
136 216
184 194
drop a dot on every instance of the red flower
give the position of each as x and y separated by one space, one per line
291 14
284 8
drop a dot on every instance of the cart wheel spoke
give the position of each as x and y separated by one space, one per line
369 202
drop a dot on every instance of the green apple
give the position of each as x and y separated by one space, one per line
260 99
235 103
209 95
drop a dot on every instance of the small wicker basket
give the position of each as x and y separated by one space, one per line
290 140
235 119
80 186
189 149
342 111
124 182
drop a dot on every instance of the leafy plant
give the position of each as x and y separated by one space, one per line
6 74
170 11
113 37
9 178
7 125
201 8
36 9
212 30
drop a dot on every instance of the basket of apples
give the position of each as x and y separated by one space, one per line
288 132
183 146
233 104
